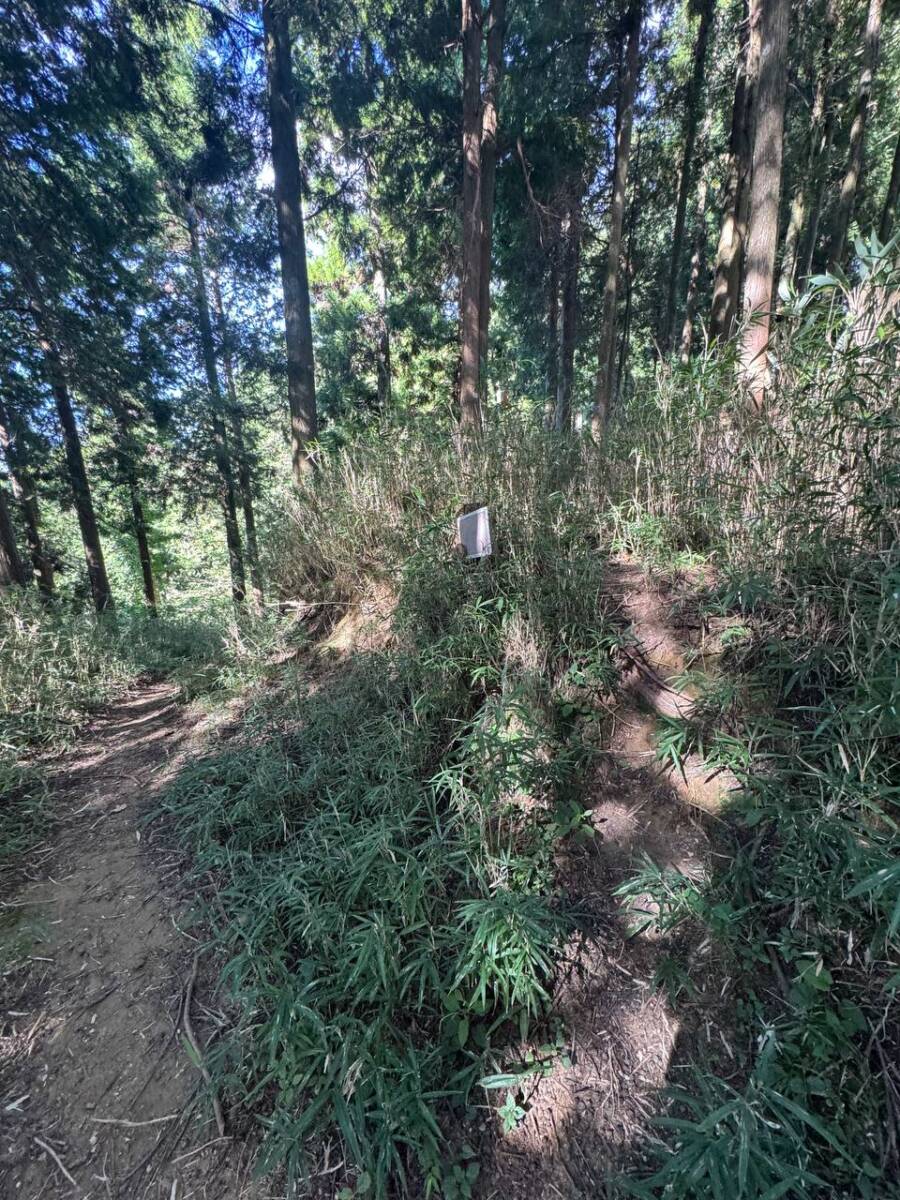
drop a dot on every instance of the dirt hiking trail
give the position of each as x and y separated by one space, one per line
98 1094
625 1039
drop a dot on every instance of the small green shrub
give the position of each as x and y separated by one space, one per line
22 800
57 663
754 1144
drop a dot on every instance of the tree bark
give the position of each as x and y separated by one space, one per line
470 275
101 592
220 435
697 257
629 272
606 365
383 339
126 454
568 325
140 533
765 190
25 495
730 251
245 482
489 119
805 267
12 573
383 381
890 200
851 179
817 147
78 481
291 236
691 112
552 332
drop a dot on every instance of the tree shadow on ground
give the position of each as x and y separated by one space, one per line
637 1008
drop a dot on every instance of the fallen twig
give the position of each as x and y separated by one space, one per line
658 693
196 1150
893 1103
98 998
132 1124
195 1046
49 1150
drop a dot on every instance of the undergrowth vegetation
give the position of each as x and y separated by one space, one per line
286 289
382 833
802 513
59 663
382 837
376 842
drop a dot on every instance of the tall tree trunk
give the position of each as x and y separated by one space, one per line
818 189
383 337
730 251
853 173
383 382
78 481
606 359
490 109
245 487
697 257
470 276
245 482
25 495
143 545
765 190
691 112
12 573
126 455
890 200
793 237
220 435
552 331
629 271
568 325
291 236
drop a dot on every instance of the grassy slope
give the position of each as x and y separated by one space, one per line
383 840
388 837
799 513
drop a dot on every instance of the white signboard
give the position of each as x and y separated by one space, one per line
474 532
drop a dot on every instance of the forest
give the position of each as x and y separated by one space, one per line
342 857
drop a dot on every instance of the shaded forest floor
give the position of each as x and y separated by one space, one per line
97 1083
99 1095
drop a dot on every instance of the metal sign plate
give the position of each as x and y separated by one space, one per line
474 532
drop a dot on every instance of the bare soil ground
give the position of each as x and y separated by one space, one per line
98 1094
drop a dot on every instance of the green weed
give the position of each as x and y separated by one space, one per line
383 845
743 1145
801 511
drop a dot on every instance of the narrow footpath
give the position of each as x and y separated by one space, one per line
99 1096
626 1038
